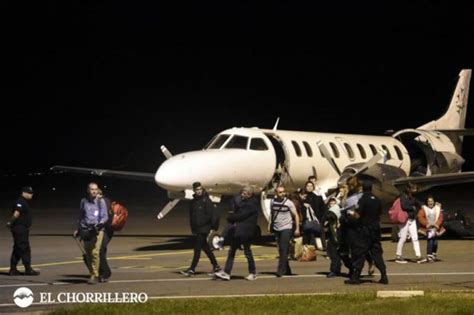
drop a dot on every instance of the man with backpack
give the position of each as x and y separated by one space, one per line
92 219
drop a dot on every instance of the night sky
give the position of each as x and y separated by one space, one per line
104 84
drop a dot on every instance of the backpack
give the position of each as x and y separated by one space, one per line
120 215
396 213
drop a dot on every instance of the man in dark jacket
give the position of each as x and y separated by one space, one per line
245 220
367 237
20 224
203 221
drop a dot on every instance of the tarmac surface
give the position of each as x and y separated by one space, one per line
148 255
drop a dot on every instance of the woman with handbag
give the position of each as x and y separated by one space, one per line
311 226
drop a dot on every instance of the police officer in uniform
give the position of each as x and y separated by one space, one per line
20 224
367 238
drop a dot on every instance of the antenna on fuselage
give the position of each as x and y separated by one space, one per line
276 124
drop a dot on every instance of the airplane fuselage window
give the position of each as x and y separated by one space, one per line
373 149
218 142
258 144
309 151
349 150
399 152
296 147
361 151
237 142
335 151
389 155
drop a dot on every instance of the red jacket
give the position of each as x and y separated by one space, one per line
423 220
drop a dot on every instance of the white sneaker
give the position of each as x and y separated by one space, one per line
420 260
251 277
400 260
222 275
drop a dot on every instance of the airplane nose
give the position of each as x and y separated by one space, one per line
168 176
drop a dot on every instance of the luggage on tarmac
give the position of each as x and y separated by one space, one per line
457 228
296 248
309 253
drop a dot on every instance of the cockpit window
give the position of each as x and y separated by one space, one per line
237 142
258 144
218 142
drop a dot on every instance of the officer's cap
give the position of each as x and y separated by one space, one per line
27 189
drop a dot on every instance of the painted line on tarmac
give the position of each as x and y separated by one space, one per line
259 277
131 257
41 284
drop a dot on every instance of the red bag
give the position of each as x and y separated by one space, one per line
396 213
120 215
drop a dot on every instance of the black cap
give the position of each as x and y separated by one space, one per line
367 185
27 189
196 185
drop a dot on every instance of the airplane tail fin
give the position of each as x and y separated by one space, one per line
455 116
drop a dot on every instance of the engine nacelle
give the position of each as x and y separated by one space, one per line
431 152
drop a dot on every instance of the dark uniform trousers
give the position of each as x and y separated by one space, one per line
201 244
21 246
367 241
338 250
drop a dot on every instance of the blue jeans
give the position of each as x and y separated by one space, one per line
432 245
231 255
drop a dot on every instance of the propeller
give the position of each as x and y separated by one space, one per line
172 203
380 154
344 176
169 206
328 156
166 152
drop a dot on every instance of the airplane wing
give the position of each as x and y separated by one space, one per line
149 177
437 180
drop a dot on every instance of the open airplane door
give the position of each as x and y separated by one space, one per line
265 203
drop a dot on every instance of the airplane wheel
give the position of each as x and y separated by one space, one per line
216 241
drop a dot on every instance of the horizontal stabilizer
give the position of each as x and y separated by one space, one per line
109 173
458 132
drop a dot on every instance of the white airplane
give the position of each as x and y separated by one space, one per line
429 155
